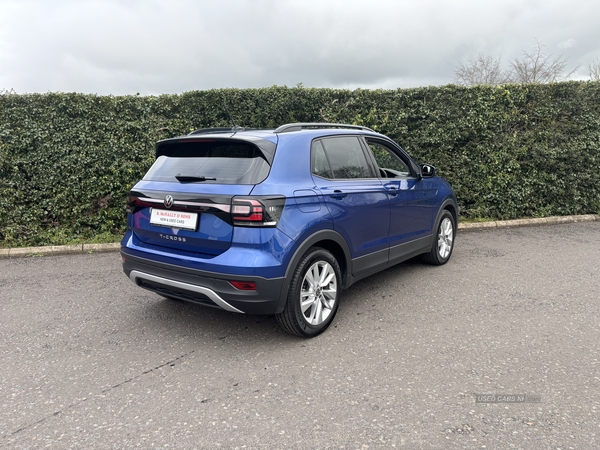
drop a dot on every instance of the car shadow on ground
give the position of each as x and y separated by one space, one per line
194 320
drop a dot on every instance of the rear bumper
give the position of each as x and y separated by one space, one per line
202 287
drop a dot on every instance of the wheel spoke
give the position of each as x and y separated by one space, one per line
320 273
330 293
447 227
314 277
319 316
327 280
327 304
307 294
314 313
305 304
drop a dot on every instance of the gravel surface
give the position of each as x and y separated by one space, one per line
91 361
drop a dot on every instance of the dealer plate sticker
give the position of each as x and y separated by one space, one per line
174 219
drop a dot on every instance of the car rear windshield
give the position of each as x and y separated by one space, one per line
209 162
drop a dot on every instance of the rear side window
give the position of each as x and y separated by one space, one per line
320 165
218 162
340 158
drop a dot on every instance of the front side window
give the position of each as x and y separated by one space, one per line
390 165
340 158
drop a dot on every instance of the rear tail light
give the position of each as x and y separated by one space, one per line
256 211
248 211
133 201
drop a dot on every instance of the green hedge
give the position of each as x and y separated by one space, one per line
67 160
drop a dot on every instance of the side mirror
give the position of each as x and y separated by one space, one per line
427 171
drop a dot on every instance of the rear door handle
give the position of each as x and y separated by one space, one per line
338 194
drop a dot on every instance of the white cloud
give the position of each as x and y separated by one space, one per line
153 47
567 44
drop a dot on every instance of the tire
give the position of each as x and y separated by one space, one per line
312 316
443 244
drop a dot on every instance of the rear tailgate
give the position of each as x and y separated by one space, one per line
184 201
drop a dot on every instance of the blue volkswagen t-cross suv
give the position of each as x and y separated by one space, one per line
281 221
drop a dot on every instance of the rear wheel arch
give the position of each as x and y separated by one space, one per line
329 240
338 252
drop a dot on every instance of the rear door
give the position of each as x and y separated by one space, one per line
355 197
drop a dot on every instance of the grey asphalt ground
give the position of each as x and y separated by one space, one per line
91 361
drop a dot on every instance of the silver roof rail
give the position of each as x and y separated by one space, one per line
314 125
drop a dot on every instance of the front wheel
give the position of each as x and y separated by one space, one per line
314 294
444 241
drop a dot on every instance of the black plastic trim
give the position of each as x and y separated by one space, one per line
448 202
264 300
402 252
370 263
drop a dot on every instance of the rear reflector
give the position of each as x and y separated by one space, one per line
244 285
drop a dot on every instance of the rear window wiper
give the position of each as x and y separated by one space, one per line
192 179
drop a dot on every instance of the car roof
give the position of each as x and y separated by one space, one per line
287 128
267 139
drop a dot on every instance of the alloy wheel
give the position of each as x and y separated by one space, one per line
445 237
318 292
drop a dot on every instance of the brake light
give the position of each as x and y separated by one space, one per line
256 211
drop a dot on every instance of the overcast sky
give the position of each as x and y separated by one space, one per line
155 47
